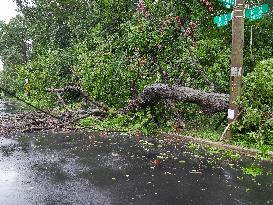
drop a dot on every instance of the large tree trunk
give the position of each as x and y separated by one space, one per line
209 102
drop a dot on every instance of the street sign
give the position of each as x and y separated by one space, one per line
228 3
256 12
222 20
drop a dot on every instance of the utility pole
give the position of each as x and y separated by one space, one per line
236 62
237 16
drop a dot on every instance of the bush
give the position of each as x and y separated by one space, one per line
256 123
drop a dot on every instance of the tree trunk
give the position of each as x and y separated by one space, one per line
210 102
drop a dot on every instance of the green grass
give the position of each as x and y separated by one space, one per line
253 171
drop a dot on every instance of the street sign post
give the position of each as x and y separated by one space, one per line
237 17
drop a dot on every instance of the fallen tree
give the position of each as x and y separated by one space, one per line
210 102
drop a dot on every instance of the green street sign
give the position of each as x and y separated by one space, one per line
252 14
228 3
256 12
222 20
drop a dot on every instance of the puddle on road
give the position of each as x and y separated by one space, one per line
95 168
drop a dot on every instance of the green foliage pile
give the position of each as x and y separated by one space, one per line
256 123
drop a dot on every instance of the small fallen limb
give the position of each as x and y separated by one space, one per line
36 121
29 122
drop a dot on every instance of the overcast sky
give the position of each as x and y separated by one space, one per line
7 11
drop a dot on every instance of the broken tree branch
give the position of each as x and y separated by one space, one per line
79 90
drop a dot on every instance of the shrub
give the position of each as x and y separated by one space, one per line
256 123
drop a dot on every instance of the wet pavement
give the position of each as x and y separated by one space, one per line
116 169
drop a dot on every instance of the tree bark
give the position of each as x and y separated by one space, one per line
210 102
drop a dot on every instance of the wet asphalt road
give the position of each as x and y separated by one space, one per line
114 169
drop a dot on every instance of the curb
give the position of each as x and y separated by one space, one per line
241 150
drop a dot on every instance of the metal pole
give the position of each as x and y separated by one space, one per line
236 62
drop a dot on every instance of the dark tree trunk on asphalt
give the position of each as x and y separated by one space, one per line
210 102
